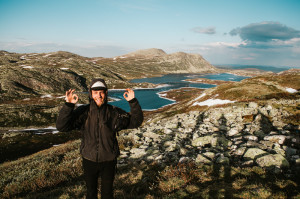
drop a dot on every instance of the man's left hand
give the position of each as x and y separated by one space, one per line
129 94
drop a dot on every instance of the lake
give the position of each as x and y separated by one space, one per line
151 100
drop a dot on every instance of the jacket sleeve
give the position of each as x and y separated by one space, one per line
69 119
131 120
136 114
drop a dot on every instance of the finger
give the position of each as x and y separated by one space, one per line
131 92
75 97
68 92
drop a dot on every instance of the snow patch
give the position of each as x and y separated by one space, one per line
114 99
25 66
47 55
50 128
46 96
164 96
202 95
64 68
212 102
291 90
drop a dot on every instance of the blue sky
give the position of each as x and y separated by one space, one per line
250 32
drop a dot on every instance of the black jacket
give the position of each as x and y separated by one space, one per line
99 126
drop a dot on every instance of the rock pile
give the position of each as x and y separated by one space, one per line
240 135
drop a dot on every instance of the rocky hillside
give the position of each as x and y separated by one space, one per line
284 84
243 135
255 122
27 75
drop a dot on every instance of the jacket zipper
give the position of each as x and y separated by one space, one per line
97 137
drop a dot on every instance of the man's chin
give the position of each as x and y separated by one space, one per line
99 103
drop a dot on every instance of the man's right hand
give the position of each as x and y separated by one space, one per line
70 97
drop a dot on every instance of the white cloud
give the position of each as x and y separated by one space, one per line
225 44
208 30
94 50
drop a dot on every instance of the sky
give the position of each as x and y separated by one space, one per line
246 32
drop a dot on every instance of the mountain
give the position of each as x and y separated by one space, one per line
34 74
147 53
179 62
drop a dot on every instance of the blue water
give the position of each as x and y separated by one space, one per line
149 98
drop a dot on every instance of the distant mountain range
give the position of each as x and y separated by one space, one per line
24 75
264 68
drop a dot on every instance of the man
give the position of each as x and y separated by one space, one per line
99 122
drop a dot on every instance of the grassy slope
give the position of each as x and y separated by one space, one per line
57 173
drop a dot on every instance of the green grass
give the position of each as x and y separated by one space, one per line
57 173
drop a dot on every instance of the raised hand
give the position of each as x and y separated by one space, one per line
129 94
70 97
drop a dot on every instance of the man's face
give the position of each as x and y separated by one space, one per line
99 96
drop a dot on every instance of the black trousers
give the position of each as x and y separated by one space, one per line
94 170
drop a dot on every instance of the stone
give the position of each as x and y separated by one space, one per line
273 160
279 150
160 157
253 153
223 128
267 144
259 133
210 155
280 139
171 125
170 146
223 160
201 159
251 137
248 163
253 105
184 159
222 141
183 151
290 151
202 141
233 132
240 151
151 135
137 153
